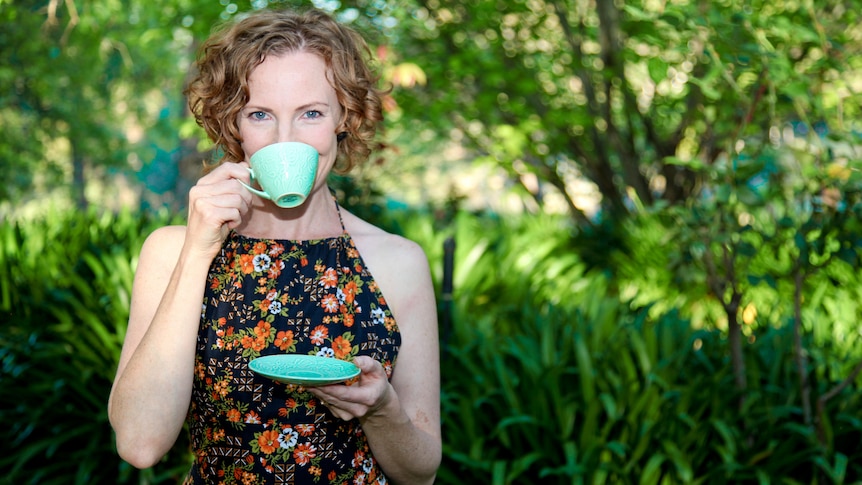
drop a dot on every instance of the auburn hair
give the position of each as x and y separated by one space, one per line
218 89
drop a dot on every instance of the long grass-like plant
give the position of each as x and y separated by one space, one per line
551 373
66 281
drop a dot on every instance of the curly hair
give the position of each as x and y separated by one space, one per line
219 88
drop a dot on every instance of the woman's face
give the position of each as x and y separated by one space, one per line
290 99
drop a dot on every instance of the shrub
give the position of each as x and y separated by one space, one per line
66 282
549 375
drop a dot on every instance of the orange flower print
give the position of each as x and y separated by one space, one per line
319 334
234 415
348 320
329 279
247 342
350 292
200 370
358 458
305 429
331 476
352 252
258 344
330 304
259 247
303 261
315 470
268 441
262 329
275 250
341 346
221 388
284 339
275 269
304 453
252 418
246 263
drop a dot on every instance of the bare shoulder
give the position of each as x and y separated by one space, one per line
164 244
158 256
384 251
398 265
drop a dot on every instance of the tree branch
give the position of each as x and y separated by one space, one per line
821 402
599 168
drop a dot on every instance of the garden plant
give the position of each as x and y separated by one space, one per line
675 300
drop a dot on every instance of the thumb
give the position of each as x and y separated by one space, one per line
365 363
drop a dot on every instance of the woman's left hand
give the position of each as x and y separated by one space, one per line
360 399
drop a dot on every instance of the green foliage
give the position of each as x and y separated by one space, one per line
66 284
637 96
79 81
548 375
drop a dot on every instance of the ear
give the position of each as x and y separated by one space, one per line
341 136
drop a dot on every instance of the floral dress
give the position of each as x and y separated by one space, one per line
279 296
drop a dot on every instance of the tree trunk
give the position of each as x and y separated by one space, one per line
734 336
79 181
798 350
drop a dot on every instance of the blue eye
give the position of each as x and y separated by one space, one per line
258 115
313 114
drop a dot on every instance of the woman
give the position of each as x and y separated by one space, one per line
310 280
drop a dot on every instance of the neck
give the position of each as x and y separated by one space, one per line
316 218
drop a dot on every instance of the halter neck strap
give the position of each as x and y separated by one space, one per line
338 210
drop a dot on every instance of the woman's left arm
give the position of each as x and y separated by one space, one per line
401 417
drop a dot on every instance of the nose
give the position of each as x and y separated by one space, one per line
285 133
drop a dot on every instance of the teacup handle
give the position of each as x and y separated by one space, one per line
253 190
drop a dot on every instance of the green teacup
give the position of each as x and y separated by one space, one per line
285 171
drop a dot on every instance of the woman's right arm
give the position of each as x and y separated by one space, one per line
152 388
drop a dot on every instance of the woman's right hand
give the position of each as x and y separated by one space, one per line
217 204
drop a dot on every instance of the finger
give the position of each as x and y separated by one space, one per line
226 171
369 368
224 193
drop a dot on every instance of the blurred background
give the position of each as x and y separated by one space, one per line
643 219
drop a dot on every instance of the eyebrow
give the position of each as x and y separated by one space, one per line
313 104
303 107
